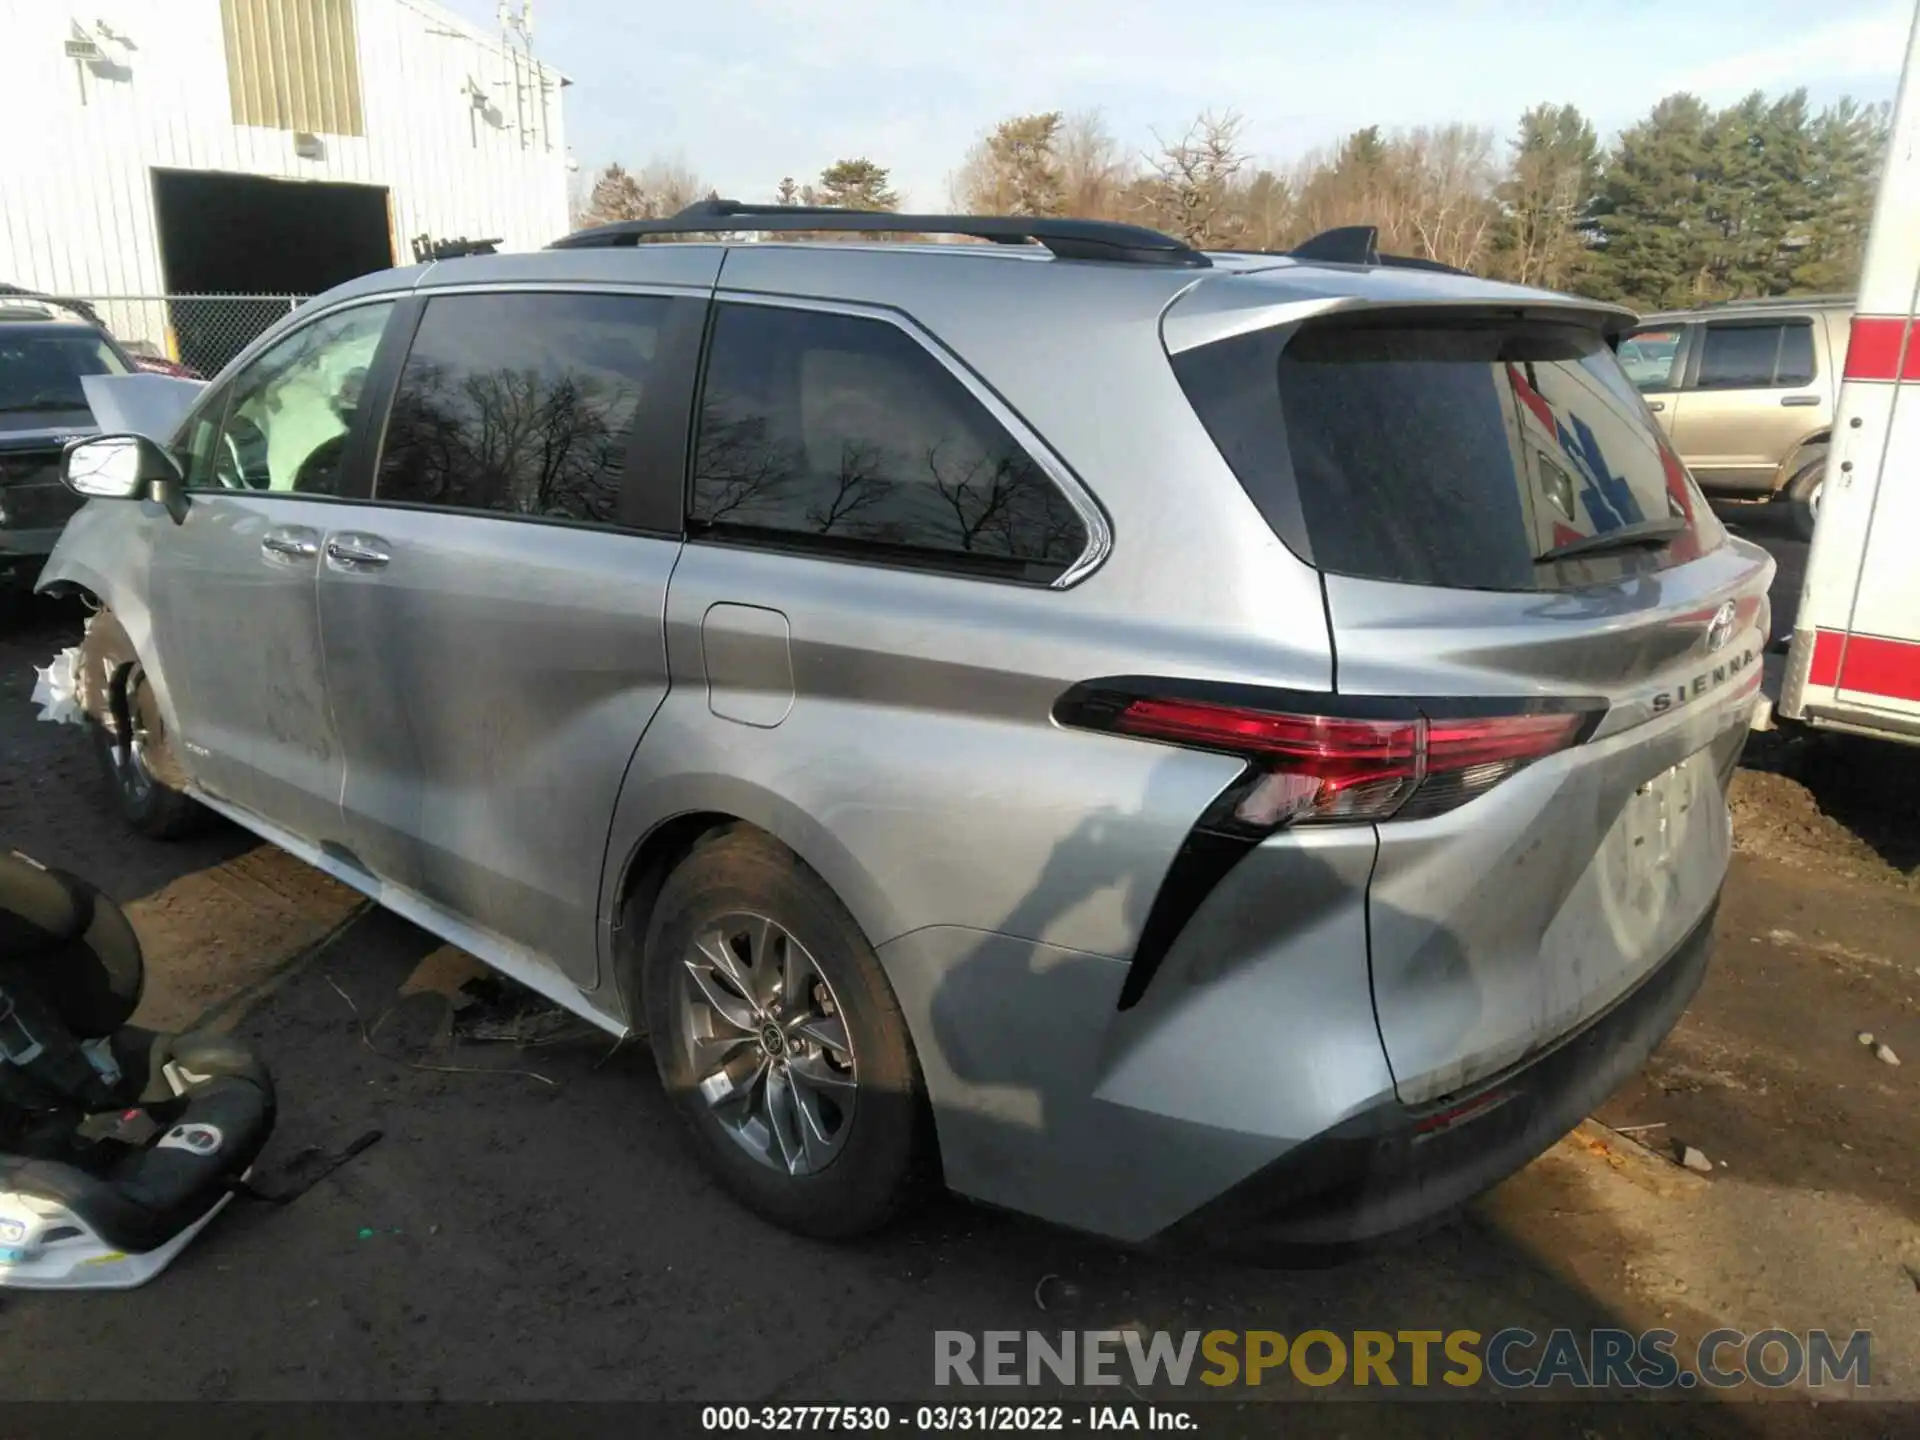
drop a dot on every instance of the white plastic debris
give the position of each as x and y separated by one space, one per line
1866 1037
1695 1160
56 688
1886 1055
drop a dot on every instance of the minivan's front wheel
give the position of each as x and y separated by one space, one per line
138 763
780 1041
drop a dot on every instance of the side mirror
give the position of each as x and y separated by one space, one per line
123 467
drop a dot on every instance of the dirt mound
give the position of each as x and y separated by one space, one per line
1837 804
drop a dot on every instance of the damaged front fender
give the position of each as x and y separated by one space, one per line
104 556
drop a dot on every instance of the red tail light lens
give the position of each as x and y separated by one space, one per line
1325 768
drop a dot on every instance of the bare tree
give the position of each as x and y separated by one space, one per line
1191 188
1550 186
1428 191
1448 177
1094 170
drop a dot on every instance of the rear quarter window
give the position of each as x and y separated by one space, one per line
1456 453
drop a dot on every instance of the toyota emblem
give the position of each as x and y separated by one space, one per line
1720 628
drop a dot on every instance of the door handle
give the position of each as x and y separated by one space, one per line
1799 399
290 543
1656 404
357 552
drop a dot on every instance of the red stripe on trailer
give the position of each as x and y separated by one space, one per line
1875 348
1825 666
1878 666
1874 664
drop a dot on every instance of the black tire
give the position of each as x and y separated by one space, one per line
1803 492
148 804
885 1160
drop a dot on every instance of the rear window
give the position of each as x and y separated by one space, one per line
1461 454
1648 357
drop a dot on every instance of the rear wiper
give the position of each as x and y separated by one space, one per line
1653 533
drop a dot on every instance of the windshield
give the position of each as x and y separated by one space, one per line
1451 452
40 372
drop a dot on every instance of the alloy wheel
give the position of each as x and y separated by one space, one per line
767 1043
132 752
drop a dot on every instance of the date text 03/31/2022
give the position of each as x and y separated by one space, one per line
867 1419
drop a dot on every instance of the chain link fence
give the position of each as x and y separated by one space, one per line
202 332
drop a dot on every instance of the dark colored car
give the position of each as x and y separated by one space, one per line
45 349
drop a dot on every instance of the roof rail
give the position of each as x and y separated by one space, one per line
1360 245
78 307
1067 239
1770 301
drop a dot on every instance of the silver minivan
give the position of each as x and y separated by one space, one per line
1202 747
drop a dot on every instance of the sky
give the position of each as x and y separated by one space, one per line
747 91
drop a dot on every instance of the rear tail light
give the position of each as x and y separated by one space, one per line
1307 768
1311 759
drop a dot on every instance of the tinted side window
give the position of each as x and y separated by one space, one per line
521 404
1796 355
844 432
1739 357
288 415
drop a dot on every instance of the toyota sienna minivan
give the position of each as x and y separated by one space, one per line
1193 747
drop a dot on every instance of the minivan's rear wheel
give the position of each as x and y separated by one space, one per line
1803 493
137 760
779 1040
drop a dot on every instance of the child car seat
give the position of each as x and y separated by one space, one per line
117 1144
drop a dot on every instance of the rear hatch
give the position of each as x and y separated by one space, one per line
1503 535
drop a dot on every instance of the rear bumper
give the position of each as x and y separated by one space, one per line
1393 1167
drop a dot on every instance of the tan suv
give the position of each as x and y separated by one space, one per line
1746 391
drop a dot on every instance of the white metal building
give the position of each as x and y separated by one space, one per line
170 147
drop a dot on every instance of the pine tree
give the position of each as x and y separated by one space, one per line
1847 142
856 184
1016 169
1651 213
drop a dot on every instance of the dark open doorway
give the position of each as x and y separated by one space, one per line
224 234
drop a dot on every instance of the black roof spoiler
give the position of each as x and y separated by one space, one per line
1360 245
1067 239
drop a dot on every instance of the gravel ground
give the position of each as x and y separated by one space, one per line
530 1225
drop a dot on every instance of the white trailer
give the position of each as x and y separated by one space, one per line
1854 663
